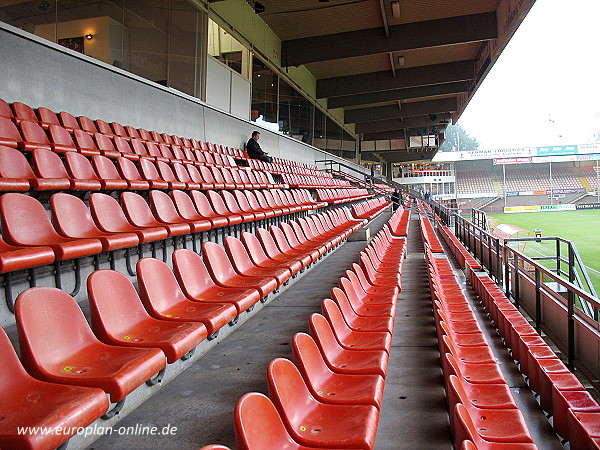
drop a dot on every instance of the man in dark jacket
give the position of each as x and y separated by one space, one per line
254 150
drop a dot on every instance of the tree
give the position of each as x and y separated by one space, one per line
457 139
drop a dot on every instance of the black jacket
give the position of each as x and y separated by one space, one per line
253 148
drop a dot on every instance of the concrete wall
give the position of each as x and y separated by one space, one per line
40 73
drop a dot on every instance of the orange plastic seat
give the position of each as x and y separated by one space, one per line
198 285
15 173
258 425
317 424
215 447
234 208
360 323
25 223
330 387
342 360
85 143
48 164
369 294
129 172
366 309
219 207
164 299
57 345
19 258
351 339
27 402
165 211
139 214
255 205
240 259
9 134
205 210
109 175
109 217
472 372
72 219
584 429
119 318
261 259
282 245
224 274
470 433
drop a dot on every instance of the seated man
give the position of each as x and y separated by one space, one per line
254 150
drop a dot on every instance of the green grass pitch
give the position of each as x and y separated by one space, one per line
582 227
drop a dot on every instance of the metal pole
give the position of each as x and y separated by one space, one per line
551 194
538 300
504 182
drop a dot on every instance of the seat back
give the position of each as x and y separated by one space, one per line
9 134
185 205
231 203
148 170
153 149
280 239
25 221
128 170
262 201
194 173
144 134
217 203
242 201
68 121
158 286
333 314
33 133
104 143
218 263
48 164
60 136
24 112
80 167
268 243
290 234
163 207
250 199
181 172
309 361
105 168
258 425
132 132
123 146
107 213
202 204
321 332
118 129
289 392
227 176
137 210
238 255
115 306
298 234
343 303
5 110
191 273
255 249
51 329
84 141
13 164
71 217
165 171
207 175
104 127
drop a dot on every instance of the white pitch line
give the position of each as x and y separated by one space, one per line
586 266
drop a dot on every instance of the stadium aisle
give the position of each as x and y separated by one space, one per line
200 401
413 413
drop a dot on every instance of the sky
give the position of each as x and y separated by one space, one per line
544 89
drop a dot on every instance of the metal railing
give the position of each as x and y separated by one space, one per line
558 307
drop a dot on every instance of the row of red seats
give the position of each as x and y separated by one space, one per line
46 118
331 394
78 172
337 196
482 408
459 251
284 166
399 222
429 235
370 209
313 181
575 413
133 336
30 239
67 133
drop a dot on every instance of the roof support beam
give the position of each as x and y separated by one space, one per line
398 94
406 78
430 33
398 124
396 134
393 112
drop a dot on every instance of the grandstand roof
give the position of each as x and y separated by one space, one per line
397 68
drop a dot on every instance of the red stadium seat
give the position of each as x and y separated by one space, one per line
330 387
9 134
48 164
26 402
15 173
205 209
364 305
25 223
139 214
119 318
129 172
109 175
165 211
198 285
73 219
163 298
219 207
317 424
58 346
341 360
260 258
357 322
19 258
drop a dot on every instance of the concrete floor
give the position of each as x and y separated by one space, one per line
200 402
